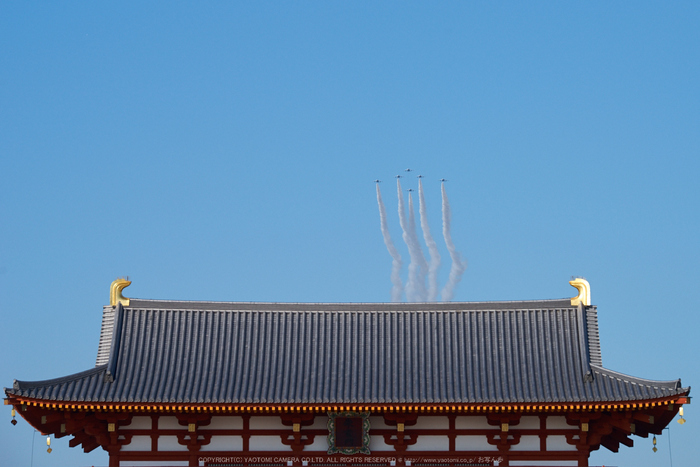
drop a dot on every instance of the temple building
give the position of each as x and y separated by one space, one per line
183 383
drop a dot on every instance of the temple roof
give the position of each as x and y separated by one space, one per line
154 351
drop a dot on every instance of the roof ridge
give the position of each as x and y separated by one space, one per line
348 306
351 303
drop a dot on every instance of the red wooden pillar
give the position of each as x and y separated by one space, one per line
583 452
114 458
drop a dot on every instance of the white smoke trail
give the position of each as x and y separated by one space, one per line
396 263
432 246
421 293
458 264
411 283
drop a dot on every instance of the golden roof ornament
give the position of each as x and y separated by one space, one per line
115 292
584 292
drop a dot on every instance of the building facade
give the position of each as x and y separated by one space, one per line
357 384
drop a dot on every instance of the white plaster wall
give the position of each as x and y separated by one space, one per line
320 444
169 443
558 443
558 423
225 423
224 443
544 463
527 443
528 423
139 423
430 443
267 443
435 423
378 423
267 423
477 422
320 423
138 443
169 423
153 463
473 443
376 443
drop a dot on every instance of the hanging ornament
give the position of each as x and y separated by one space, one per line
48 443
13 421
654 448
680 412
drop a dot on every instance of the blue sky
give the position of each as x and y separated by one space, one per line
227 151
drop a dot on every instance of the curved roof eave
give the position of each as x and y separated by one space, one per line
672 384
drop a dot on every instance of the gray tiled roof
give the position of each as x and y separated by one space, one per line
221 352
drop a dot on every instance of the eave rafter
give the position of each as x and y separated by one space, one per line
90 429
612 428
607 424
674 401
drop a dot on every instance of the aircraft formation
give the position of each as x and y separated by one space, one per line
410 170
421 284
